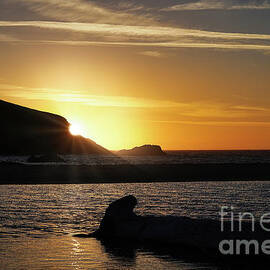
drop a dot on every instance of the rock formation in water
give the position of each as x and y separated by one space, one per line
120 222
144 150
26 131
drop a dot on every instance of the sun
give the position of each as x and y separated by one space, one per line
76 129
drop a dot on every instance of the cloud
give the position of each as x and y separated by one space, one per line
85 11
125 23
222 110
220 5
267 53
7 38
219 123
132 31
251 108
201 5
155 36
200 111
151 53
82 97
263 48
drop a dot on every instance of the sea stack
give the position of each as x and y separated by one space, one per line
144 150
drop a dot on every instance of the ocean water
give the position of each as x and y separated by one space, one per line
172 157
37 222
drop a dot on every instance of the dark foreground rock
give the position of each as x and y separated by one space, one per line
206 236
144 150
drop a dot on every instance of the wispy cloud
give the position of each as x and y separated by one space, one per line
127 35
219 123
7 38
222 110
202 112
220 5
82 97
251 108
132 31
151 53
85 11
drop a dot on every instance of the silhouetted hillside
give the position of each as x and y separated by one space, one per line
28 131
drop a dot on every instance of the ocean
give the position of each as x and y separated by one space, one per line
38 222
172 157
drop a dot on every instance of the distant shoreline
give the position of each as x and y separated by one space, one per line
217 150
16 173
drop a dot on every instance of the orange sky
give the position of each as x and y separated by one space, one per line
149 79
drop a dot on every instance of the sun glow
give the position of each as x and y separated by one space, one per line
76 129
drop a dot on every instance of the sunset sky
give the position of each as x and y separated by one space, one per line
181 74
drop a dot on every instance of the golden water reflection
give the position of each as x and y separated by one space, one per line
68 252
